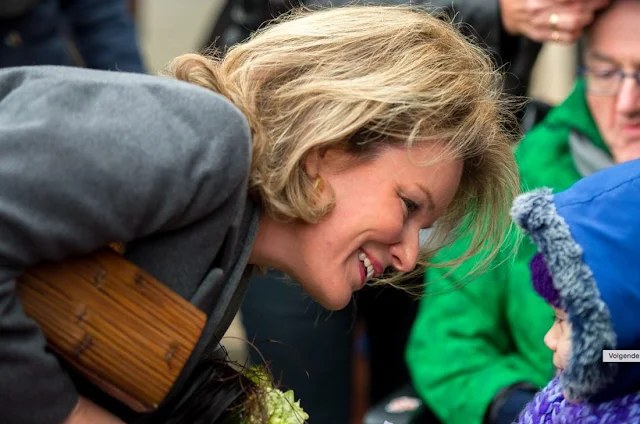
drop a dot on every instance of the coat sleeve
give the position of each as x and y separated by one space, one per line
461 352
104 33
87 158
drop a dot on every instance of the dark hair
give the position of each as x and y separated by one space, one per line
215 393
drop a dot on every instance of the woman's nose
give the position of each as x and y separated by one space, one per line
404 254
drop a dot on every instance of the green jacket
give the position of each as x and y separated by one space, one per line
470 343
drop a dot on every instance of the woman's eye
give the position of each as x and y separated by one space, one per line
410 206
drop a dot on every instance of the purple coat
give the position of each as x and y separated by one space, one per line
550 407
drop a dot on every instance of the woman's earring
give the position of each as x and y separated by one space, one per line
318 184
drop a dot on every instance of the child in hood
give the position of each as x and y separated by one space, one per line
588 270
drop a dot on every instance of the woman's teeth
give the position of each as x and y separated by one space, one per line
367 265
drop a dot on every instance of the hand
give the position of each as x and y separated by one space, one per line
87 412
561 21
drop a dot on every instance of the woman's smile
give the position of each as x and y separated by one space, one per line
369 267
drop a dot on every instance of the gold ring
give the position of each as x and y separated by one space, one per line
553 20
555 35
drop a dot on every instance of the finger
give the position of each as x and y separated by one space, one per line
536 34
561 37
549 35
574 6
571 22
594 5
582 5
587 6
572 37
535 7
561 20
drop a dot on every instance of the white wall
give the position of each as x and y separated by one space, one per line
168 28
554 73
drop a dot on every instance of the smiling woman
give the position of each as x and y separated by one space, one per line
321 147
374 113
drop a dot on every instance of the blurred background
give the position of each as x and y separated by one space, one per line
167 28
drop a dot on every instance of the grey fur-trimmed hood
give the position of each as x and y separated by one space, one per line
589 236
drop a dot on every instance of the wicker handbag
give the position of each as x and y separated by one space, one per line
121 328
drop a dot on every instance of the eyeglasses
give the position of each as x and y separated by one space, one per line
606 82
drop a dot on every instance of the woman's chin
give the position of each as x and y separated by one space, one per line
333 302
331 297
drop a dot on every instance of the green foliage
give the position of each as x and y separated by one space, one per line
273 405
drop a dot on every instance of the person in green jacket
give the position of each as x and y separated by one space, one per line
475 353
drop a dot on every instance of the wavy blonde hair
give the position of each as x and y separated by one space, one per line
362 78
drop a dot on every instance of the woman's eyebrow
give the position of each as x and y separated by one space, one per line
430 203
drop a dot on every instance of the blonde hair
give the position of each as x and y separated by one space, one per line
361 78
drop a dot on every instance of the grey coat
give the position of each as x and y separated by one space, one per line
91 157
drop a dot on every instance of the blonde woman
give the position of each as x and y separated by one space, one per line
319 147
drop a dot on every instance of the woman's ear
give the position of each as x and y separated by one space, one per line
313 161
325 160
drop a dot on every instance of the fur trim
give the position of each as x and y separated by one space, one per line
589 316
